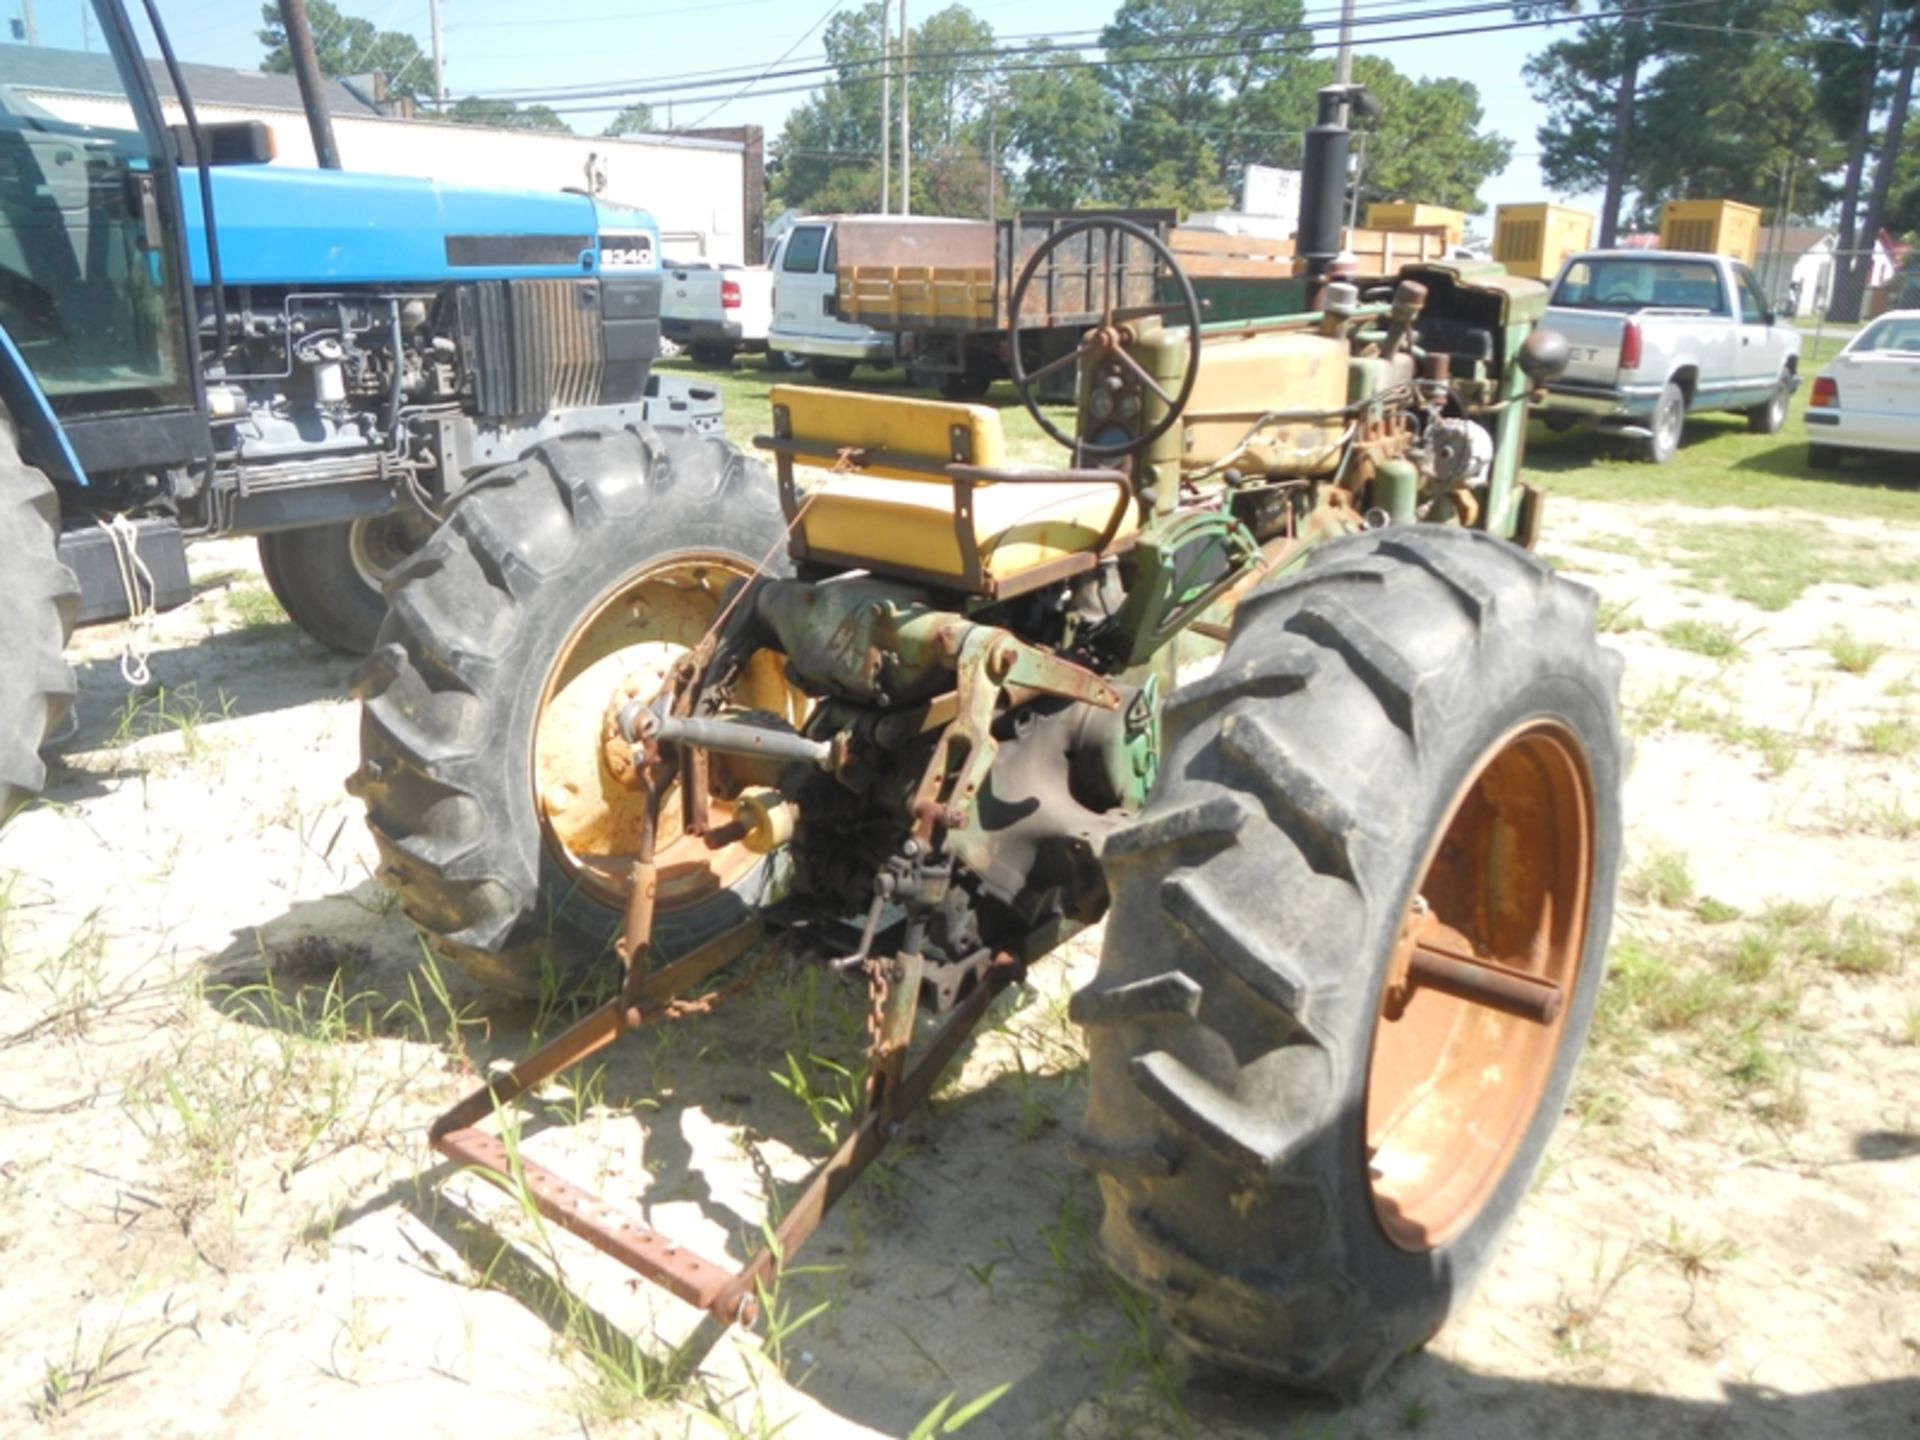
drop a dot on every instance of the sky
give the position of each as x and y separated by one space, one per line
511 44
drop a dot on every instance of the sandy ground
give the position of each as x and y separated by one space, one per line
218 1216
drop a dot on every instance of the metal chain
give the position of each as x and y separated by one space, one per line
879 988
707 1004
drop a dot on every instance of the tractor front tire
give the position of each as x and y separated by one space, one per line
1306 1155
38 597
331 579
594 559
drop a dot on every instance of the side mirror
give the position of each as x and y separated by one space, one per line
1544 355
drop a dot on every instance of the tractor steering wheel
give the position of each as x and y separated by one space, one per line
1109 339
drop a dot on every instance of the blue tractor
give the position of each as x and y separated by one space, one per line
196 342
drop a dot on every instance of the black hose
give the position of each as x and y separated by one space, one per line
206 180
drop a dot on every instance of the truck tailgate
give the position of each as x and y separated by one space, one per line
690 292
1593 344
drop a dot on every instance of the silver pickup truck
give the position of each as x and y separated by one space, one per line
1654 334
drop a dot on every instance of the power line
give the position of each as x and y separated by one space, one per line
1163 61
1045 43
805 35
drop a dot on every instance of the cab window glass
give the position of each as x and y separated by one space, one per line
803 250
88 215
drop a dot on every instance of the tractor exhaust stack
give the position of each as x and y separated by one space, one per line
306 70
1323 176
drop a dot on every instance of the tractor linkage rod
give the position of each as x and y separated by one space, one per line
647 996
641 724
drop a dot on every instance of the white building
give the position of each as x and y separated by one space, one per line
704 192
1796 267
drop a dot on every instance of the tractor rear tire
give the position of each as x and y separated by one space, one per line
331 579
1417 729
497 826
38 598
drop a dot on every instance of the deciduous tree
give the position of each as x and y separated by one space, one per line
348 45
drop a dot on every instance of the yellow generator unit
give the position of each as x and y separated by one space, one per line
1713 227
1405 215
1533 240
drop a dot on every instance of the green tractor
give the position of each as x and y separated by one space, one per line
1357 877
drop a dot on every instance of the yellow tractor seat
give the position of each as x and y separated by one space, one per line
917 488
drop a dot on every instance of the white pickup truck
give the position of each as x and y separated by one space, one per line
716 311
1654 334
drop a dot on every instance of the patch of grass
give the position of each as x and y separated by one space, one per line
85 1372
1414 1414
1771 566
1709 911
1910 1025
1893 737
1663 878
256 611
1883 816
1693 1255
1631 546
828 1090
1704 637
162 711
1901 686
1727 1011
1851 654
1858 947
1720 465
1616 617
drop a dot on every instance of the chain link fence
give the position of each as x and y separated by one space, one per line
1816 286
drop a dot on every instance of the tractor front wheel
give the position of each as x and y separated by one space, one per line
1354 950
331 579
38 597
590 565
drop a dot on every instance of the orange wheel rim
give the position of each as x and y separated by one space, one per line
1477 994
590 820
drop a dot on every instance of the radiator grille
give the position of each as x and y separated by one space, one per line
536 345
1690 235
1518 240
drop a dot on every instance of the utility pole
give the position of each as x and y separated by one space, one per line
439 60
906 109
29 30
993 151
886 107
1343 57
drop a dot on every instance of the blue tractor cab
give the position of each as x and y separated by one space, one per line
195 341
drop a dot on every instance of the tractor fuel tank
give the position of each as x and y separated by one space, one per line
1246 377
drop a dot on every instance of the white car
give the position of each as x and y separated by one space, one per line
1868 396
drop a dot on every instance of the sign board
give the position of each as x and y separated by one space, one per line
1270 191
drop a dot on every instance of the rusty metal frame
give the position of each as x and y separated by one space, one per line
730 1296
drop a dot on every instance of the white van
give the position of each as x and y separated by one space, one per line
805 282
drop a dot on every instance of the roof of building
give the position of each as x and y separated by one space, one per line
1793 239
40 67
